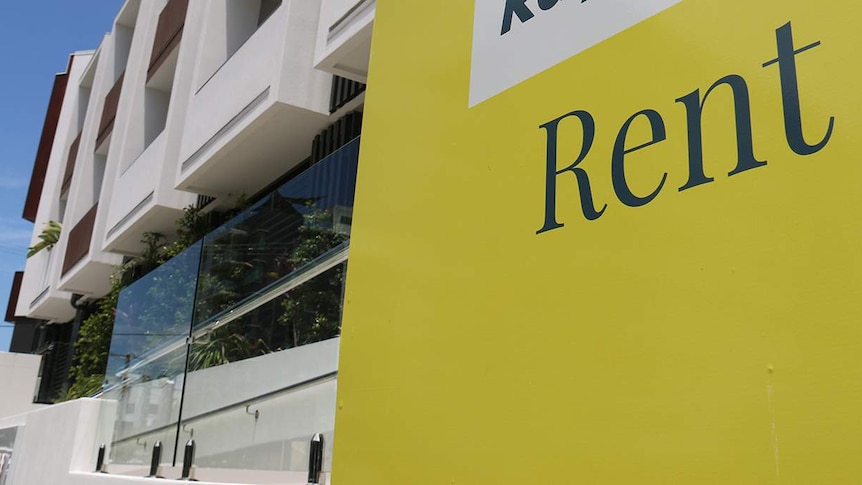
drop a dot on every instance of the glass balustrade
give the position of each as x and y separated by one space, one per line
279 362
152 313
7 447
235 341
306 217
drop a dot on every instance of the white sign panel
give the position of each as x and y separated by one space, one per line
514 40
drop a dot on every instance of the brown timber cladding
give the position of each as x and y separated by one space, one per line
13 296
109 111
78 245
168 33
70 164
49 129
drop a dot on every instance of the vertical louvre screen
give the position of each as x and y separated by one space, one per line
343 91
336 136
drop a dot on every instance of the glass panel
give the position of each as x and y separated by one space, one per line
306 314
106 420
148 404
280 360
306 217
7 446
152 313
146 364
278 439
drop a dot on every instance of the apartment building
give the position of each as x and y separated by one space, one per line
242 112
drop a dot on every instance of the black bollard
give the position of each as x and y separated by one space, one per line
100 460
315 458
188 461
156 461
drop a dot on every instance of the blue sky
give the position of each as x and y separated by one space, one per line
39 36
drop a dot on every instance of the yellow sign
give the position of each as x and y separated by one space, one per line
631 254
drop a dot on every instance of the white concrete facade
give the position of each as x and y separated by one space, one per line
344 38
19 378
56 442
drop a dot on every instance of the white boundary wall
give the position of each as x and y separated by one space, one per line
19 376
58 445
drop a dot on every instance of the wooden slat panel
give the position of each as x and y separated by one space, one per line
343 91
78 245
70 164
13 296
46 142
109 110
168 33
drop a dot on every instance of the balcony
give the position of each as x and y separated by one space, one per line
343 44
140 203
254 113
39 298
261 295
85 269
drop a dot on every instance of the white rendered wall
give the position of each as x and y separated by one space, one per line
229 23
299 83
343 48
19 374
57 440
